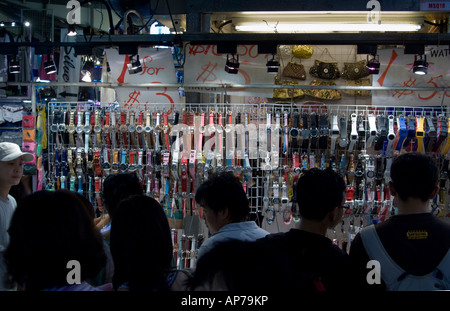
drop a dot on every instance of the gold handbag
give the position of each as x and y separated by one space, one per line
328 94
354 70
302 51
283 94
294 70
359 82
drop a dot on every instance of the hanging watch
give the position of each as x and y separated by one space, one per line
343 141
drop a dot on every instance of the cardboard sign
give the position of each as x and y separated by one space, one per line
396 69
157 67
205 66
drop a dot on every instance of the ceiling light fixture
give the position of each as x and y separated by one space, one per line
71 32
232 65
134 66
291 28
273 65
373 65
420 64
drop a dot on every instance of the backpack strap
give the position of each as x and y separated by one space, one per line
444 265
390 271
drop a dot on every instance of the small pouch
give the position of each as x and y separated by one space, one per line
28 122
29 146
294 70
29 134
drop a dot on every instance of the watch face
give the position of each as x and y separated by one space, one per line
123 166
71 129
284 201
62 127
79 129
87 129
420 134
370 174
139 128
97 128
123 128
314 133
131 128
148 129
106 165
211 129
359 173
324 132
276 201
294 132
391 136
54 128
305 133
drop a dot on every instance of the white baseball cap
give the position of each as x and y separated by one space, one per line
11 151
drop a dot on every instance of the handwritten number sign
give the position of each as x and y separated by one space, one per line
157 67
397 70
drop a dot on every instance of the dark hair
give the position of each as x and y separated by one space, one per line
224 190
414 175
117 187
141 244
87 205
319 192
233 265
47 230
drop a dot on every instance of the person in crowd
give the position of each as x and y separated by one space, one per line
233 265
141 246
106 274
11 171
304 258
54 245
414 239
116 187
225 209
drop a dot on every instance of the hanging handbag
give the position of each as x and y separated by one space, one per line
354 70
284 93
294 70
302 51
359 82
325 70
327 94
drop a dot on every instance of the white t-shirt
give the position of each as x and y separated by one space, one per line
7 208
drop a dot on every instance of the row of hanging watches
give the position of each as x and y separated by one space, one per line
90 144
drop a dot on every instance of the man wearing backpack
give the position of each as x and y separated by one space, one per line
413 247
